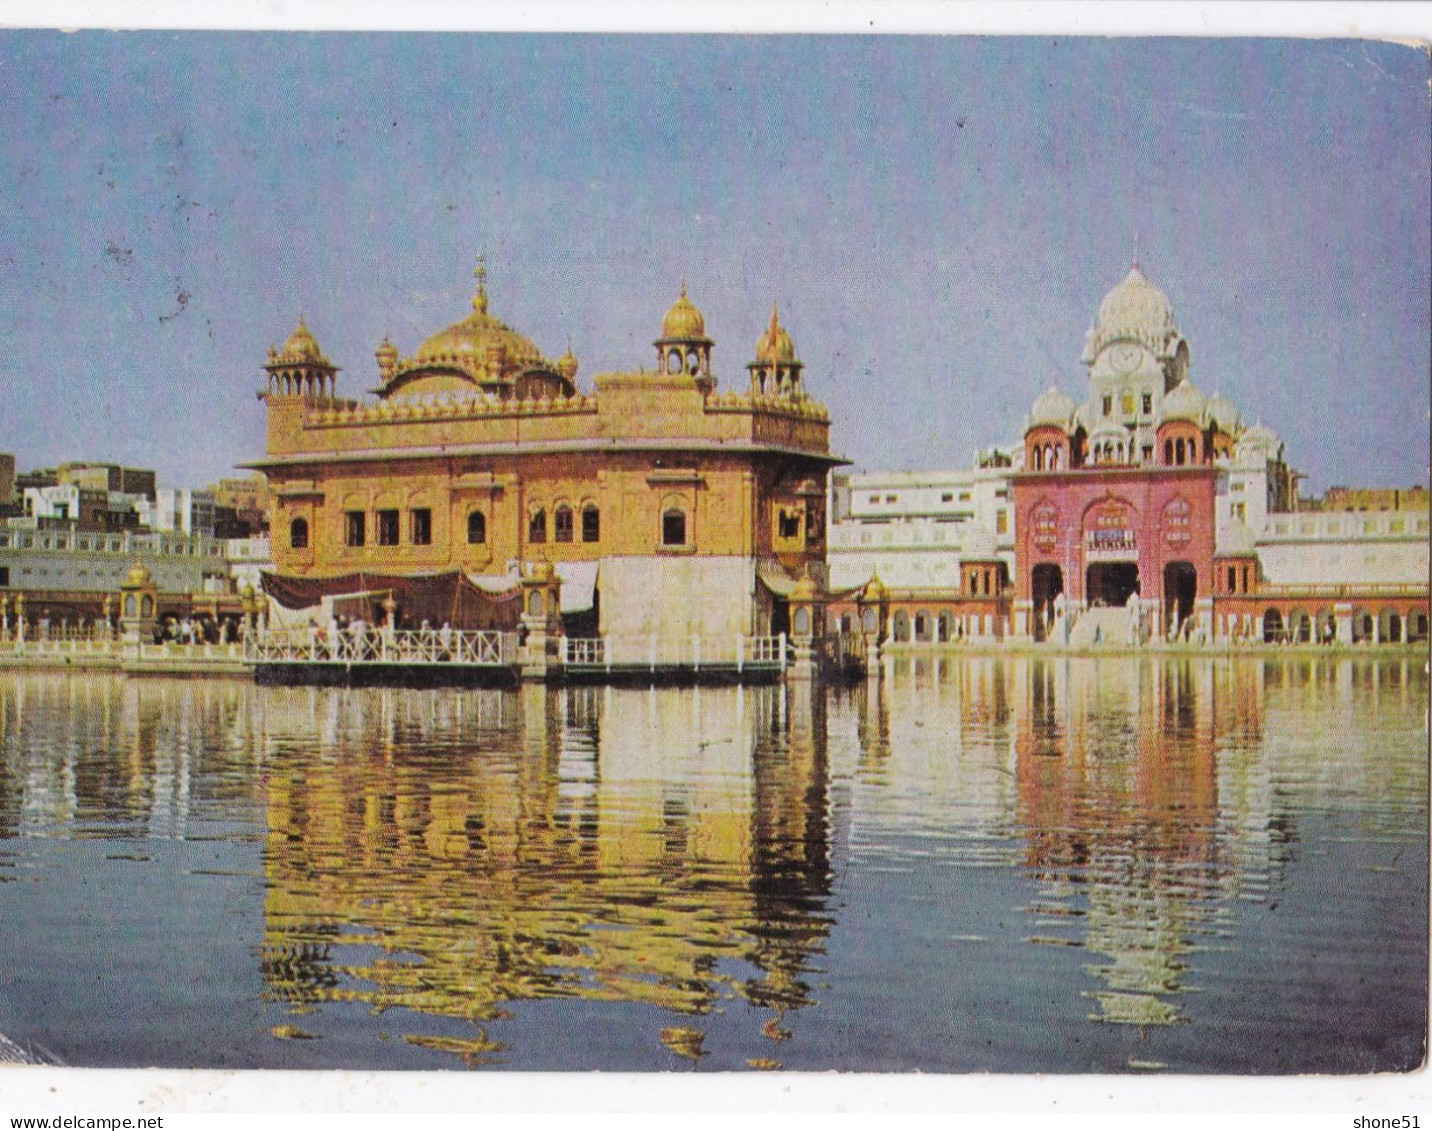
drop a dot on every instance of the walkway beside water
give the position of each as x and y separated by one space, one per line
415 658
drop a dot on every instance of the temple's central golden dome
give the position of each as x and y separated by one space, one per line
472 337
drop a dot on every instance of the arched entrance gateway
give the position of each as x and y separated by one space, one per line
1180 593
1111 553
1047 582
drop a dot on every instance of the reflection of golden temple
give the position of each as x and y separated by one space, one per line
609 845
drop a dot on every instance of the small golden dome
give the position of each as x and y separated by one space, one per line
775 344
387 352
543 571
567 364
139 576
683 320
875 589
301 345
805 590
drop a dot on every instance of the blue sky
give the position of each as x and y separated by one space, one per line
937 217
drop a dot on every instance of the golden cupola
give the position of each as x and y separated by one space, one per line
301 345
683 346
776 372
775 344
300 368
683 320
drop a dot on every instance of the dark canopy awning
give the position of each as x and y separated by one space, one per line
435 597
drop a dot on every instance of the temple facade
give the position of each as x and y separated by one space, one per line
669 507
1147 510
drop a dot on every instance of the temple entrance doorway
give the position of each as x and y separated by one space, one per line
780 616
1046 582
1111 583
1180 592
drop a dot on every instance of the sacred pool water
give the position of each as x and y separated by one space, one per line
976 864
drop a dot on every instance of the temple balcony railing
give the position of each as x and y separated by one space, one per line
474 648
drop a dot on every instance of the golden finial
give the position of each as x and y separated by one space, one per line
479 301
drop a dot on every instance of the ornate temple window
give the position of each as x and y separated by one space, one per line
354 528
562 524
298 534
591 523
537 526
421 521
476 528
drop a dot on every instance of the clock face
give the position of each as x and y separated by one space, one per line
1124 357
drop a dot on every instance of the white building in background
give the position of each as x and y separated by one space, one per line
914 528
248 558
181 510
74 561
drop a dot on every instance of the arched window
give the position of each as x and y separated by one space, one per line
476 528
1054 459
591 523
298 534
562 524
129 605
537 526
1038 458
1168 452
673 528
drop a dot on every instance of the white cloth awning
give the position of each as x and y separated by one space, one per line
579 585
495 583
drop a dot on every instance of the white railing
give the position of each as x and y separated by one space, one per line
424 646
101 646
694 652
584 652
